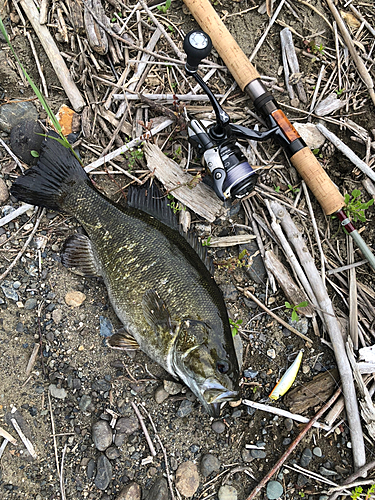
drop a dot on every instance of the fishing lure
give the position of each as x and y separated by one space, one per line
286 381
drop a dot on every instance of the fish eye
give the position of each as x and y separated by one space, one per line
223 366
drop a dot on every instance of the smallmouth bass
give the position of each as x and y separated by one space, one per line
158 285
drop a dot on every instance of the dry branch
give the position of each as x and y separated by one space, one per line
54 56
333 328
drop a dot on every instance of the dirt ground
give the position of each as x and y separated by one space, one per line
75 358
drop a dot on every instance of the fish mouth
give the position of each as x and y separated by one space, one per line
214 393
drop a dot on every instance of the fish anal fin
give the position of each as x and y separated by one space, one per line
122 341
78 253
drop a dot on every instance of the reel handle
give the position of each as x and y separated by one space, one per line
197 45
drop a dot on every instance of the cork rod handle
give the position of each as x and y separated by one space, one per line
230 52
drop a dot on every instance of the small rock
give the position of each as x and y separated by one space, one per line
327 472
26 137
101 434
106 327
186 407
160 395
131 491
288 422
9 291
187 479
56 392
112 453
57 315
75 298
230 292
274 490
127 425
120 438
317 451
91 469
246 455
4 194
258 453
218 426
306 457
302 325
286 441
104 473
84 402
171 387
250 373
30 304
159 490
271 353
227 493
13 113
209 463
101 385
302 480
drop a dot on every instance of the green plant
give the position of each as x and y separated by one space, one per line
62 139
255 388
293 190
174 205
206 243
354 206
164 8
356 493
317 153
339 91
235 325
370 491
133 155
277 189
317 49
295 308
34 153
301 494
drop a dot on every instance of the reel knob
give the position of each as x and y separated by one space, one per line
197 45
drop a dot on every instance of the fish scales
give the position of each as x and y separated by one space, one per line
157 284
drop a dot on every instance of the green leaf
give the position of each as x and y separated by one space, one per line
302 304
242 254
34 153
288 305
295 316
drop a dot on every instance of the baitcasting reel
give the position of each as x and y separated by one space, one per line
231 173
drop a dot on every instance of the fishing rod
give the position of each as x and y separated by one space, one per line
198 46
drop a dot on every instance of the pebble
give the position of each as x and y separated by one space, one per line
227 493
249 373
274 490
306 457
56 392
310 134
246 455
230 292
24 138
8 290
57 315
30 304
127 425
112 453
106 327
104 473
101 385
302 325
75 298
11 114
187 479
160 395
84 402
101 434
302 480
209 463
327 472
186 407
159 490
4 194
91 469
131 491
288 422
317 451
218 426
171 387
271 353
258 453
286 441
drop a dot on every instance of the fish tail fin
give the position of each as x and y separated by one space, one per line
53 177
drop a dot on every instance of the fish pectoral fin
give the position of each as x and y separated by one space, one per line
78 253
155 311
123 341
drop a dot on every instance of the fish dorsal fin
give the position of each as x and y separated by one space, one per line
155 311
78 253
122 341
150 200
201 251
